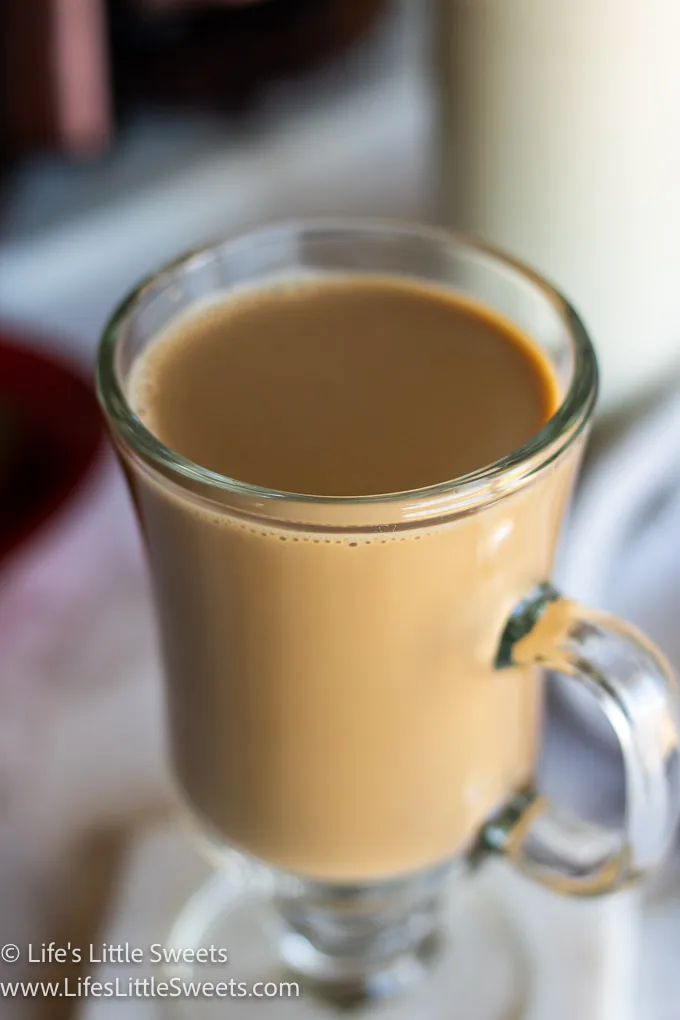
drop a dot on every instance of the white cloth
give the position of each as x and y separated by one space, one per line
622 551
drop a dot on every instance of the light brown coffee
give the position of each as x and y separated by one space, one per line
333 701
343 388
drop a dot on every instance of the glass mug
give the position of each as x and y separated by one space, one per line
354 685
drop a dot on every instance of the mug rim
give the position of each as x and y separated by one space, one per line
559 432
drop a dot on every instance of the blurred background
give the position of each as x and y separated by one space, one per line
131 130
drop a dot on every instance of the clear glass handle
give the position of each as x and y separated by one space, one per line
637 691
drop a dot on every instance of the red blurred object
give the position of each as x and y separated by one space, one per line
50 436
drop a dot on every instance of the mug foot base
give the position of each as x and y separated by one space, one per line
471 969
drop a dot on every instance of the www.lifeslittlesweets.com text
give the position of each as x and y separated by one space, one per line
147 988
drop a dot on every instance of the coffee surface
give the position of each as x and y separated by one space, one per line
333 700
343 387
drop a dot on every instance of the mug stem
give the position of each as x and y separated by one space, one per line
360 942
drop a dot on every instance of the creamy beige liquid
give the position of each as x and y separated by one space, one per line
333 704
